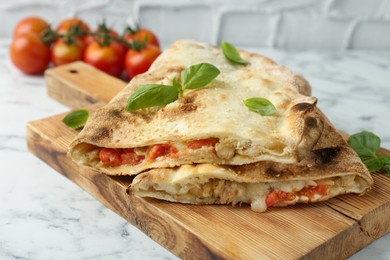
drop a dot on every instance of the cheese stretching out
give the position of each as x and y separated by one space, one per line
207 147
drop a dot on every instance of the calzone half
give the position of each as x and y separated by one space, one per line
210 125
207 147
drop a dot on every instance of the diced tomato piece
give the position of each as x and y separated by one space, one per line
116 157
311 191
321 189
111 157
159 150
307 191
127 150
272 199
196 144
276 196
128 156
286 196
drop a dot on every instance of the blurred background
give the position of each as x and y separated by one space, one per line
282 24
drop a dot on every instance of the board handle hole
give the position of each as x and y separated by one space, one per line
73 71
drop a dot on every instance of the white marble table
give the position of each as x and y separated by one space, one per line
45 216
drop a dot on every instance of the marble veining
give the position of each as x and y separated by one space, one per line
45 216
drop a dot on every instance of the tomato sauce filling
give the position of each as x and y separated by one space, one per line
197 144
121 156
310 191
116 156
159 150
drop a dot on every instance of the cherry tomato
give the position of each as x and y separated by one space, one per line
141 35
137 62
30 24
196 144
121 49
106 58
91 38
29 54
66 24
63 53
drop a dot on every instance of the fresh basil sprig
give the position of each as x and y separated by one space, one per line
76 118
260 105
198 76
232 54
157 95
366 144
151 95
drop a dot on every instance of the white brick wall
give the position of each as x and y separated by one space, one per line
285 24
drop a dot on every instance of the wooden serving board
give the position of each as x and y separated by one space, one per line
330 230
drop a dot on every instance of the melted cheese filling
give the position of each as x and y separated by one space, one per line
229 192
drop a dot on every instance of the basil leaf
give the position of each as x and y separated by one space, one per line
373 164
385 159
151 95
365 144
76 118
178 86
232 54
260 105
199 75
387 169
386 164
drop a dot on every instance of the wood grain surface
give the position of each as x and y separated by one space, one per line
79 84
334 229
